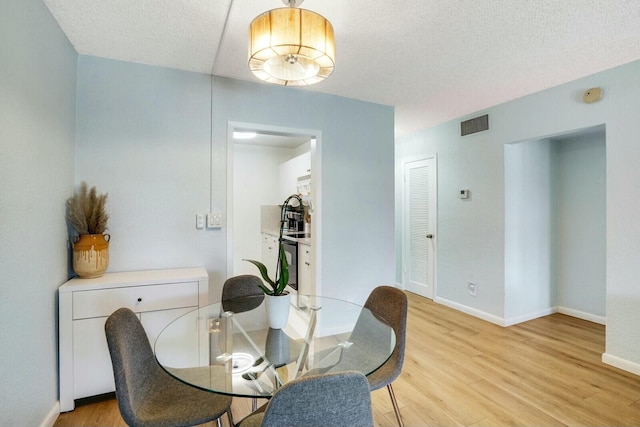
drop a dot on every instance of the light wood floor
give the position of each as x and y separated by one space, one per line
462 371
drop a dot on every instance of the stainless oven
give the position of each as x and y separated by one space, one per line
291 252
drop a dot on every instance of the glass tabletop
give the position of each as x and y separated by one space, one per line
230 349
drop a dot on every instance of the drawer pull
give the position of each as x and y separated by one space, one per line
139 299
306 263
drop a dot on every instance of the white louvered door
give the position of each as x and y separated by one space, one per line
419 237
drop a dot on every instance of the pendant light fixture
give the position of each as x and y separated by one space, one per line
291 46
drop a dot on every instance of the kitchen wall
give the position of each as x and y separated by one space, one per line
471 236
255 183
37 125
263 176
156 140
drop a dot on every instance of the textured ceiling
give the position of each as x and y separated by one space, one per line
433 60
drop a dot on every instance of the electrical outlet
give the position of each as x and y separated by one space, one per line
199 221
472 289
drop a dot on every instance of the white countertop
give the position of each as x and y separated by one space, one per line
276 233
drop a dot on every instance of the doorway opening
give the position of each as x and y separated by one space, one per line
262 172
555 226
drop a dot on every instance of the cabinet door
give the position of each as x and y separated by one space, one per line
183 341
269 252
289 173
92 369
305 284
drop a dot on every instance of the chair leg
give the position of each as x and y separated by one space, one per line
395 405
230 416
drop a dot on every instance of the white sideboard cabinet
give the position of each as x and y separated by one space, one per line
156 296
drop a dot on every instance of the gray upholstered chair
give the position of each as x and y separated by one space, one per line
246 286
334 399
391 304
146 394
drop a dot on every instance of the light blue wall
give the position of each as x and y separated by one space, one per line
531 255
143 137
149 137
357 174
471 236
37 122
582 223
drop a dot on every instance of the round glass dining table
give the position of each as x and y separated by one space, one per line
229 348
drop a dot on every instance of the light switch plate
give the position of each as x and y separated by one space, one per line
199 221
214 220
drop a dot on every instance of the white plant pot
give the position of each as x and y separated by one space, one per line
278 310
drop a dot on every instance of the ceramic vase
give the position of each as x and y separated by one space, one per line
278 310
91 255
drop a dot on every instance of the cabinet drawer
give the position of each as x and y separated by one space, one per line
267 238
103 302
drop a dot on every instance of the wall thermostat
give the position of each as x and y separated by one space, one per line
464 194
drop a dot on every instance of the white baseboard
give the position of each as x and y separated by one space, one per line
523 318
620 363
583 315
471 311
530 316
52 416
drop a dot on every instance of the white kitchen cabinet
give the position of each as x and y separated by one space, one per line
290 171
157 296
269 251
305 278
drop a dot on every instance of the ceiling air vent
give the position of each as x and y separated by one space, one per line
477 124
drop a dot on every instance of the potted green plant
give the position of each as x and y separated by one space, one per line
279 283
277 298
87 216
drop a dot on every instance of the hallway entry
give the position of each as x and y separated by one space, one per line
555 226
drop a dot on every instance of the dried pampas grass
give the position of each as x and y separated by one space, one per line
86 211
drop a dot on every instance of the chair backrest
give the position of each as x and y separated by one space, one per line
391 304
334 399
245 285
134 366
